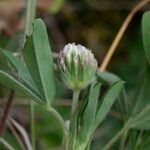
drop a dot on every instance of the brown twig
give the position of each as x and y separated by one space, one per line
118 37
6 111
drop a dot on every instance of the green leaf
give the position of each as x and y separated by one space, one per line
30 60
90 111
21 69
38 58
110 79
4 64
107 77
12 83
146 34
107 102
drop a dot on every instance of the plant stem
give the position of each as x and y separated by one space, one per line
75 99
30 16
32 117
6 111
66 141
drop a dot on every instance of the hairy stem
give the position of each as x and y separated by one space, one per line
75 99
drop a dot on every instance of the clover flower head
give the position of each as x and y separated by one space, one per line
76 66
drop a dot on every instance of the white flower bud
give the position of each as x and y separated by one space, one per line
76 66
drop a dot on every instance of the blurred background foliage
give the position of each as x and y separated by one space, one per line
93 23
